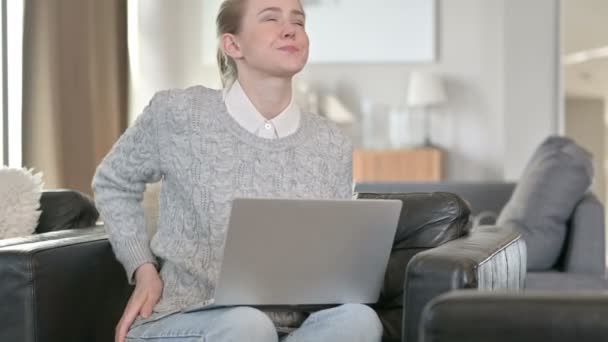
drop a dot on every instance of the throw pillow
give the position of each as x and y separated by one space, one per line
65 209
555 179
20 191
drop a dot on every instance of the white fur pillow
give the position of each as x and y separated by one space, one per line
20 192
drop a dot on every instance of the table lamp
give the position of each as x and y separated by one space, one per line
425 90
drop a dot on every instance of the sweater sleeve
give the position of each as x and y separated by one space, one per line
344 186
119 184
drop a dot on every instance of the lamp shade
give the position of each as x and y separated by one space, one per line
337 112
425 89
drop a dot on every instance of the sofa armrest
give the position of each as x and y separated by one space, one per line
585 251
501 317
64 289
53 235
488 258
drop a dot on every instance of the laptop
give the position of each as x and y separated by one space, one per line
306 252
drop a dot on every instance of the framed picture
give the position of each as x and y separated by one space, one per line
356 31
364 31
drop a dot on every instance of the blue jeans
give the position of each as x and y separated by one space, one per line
349 322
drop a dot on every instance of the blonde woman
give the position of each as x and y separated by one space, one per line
209 146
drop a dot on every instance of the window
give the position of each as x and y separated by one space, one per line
11 47
3 118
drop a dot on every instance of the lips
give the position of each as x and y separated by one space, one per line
289 48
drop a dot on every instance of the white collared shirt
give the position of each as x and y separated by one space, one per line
241 108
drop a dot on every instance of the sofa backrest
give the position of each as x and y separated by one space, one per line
481 196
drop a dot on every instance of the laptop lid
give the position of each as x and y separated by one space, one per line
306 252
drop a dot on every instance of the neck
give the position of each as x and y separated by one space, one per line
270 96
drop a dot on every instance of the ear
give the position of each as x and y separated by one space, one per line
230 46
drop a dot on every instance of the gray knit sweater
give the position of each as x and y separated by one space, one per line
205 159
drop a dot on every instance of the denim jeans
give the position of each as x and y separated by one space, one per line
349 322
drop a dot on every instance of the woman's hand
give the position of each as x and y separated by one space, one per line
148 289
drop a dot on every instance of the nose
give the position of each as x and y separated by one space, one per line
289 31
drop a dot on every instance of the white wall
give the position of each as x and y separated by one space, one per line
585 124
531 79
470 44
497 56
164 48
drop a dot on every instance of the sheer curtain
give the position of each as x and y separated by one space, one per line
75 84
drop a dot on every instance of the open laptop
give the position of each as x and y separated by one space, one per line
306 252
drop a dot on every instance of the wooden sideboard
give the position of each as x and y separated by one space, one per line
411 165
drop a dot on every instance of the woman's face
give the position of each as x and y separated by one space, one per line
273 38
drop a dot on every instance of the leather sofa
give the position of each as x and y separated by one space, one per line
436 251
62 284
66 285
582 264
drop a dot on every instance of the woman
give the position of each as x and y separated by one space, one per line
208 147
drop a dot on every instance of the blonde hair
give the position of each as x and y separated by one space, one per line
228 20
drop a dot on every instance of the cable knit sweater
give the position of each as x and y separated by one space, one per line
205 159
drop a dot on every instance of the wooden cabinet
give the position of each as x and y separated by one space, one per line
412 165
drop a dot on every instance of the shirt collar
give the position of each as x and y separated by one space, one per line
241 108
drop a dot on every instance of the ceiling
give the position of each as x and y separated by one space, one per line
585 27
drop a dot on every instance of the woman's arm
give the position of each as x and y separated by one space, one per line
344 183
119 184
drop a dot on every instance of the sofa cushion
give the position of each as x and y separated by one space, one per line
555 179
562 281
